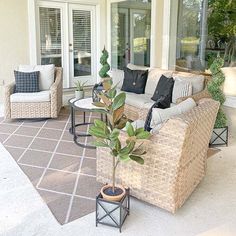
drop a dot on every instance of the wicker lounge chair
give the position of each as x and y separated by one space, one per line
175 162
44 109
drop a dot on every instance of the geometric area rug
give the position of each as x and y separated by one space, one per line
63 173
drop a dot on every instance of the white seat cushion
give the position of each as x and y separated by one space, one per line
138 100
161 115
43 96
46 76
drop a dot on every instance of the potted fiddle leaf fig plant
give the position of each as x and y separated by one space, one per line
108 134
79 90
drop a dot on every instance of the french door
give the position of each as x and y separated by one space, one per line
67 38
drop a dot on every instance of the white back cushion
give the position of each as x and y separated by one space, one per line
135 67
154 76
197 81
46 76
117 77
182 88
229 86
160 115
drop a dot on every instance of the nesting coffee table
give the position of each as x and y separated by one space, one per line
82 105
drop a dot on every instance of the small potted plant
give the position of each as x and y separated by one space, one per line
108 135
79 90
220 132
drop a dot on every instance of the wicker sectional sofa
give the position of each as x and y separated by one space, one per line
175 162
138 105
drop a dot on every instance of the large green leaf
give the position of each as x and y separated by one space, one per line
139 130
129 129
128 148
99 104
124 157
114 134
97 132
137 159
143 135
103 111
119 101
112 93
99 143
139 152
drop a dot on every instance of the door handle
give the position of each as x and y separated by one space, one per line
71 50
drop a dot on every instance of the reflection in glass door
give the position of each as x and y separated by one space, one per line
81 44
50 36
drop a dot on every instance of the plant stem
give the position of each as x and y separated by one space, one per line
113 174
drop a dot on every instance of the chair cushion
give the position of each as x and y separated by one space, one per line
46 76
164 88
117 77
26 82
182 88
161 115
154 76
138 100
134 81
197 81
43 96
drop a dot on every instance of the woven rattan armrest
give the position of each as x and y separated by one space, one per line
9 89
56 93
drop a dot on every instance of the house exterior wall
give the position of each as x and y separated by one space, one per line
14 43
14 35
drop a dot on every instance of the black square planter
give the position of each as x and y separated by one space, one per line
112 213
219 136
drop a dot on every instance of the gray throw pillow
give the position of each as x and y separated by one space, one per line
26 82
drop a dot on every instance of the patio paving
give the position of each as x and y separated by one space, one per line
63 173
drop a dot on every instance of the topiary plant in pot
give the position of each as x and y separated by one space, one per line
214 88
220 132
103 73
107 135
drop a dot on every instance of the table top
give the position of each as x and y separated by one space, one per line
84 104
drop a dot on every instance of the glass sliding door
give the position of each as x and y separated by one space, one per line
50 36
130 33
82 53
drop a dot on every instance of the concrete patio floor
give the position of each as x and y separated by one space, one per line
209 211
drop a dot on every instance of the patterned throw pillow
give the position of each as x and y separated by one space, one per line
26 82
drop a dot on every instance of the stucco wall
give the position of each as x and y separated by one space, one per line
14 48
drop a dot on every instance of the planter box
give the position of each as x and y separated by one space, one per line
220 136
112 213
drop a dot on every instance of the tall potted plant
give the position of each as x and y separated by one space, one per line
214 88
103 73
108 135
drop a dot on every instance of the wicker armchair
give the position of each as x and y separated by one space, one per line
48 109
175 162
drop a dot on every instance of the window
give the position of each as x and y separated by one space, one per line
205 29
130 33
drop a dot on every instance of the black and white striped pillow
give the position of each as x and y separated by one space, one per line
26 82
